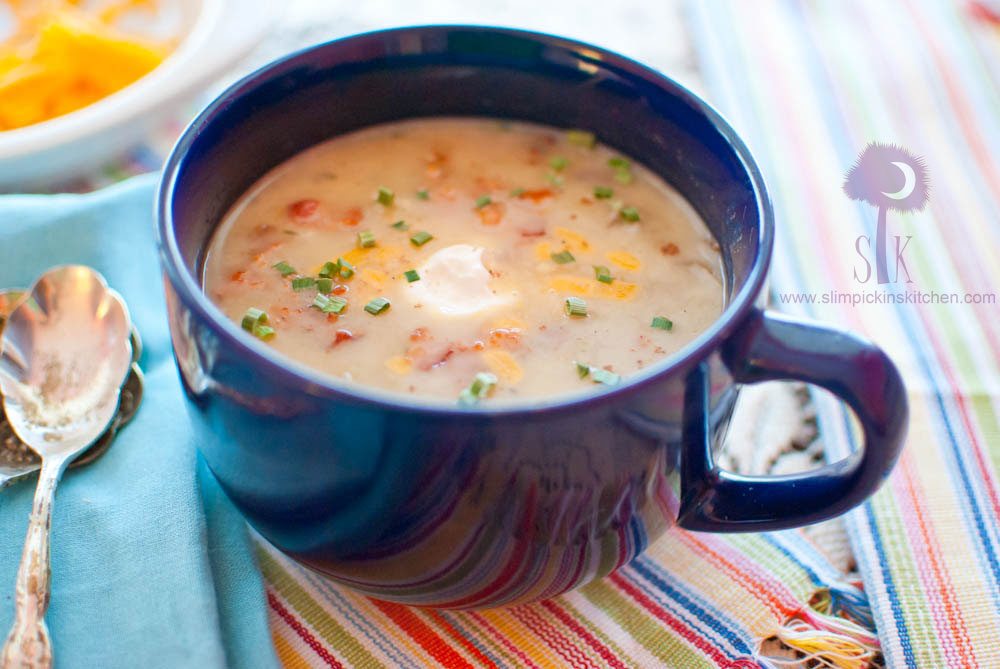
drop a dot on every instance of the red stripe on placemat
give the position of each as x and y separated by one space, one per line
581 632
484 624
450 630
420 632
675 624
760 589
959 634
537 625
303 633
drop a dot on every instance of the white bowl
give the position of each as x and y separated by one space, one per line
218 33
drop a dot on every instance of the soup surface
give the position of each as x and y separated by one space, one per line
466 259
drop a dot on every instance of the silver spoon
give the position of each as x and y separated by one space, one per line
17 460
64 355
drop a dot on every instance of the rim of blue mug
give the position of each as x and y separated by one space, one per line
192 295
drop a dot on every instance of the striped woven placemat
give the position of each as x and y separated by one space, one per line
808 85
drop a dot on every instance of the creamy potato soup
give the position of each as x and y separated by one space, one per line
468 260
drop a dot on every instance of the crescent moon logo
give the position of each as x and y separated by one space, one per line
909 182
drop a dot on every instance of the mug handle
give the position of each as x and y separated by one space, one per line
775 347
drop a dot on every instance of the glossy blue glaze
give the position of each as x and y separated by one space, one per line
446 506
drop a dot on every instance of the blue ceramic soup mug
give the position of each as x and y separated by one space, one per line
418 502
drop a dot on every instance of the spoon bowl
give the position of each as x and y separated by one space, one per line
64 354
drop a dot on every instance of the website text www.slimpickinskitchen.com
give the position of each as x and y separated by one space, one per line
876 296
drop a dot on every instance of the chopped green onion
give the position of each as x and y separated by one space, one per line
252 318
263 332
401 225
662 323
554 179
385 196
582 370
329 269
630 214
303 283
329 304
517 192
583 138
558 163
366 239
283 268
324 285
619 163
290 232
422 194
603 192
562 257
421 238
623 176
602 274
483 200
604 376
346 268
377 306
411 275
480 388
576 306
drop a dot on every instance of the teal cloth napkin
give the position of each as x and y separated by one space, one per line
151 565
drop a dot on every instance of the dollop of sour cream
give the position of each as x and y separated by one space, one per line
455 282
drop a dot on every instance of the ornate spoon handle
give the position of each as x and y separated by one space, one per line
28 645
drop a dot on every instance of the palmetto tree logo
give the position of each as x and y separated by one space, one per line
887 177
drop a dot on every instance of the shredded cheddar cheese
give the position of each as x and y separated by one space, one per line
503 365
62 57
624 259
543 250
568 284
399 364
573 240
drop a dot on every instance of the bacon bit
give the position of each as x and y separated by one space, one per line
342 336
436 164
670 249
537 232
259 255
303 209
419 334
536 195
332 318
478 346
586 200
237 277
659 350
609 368
428 358
492 213
263 229
487 184
534 155
505 337
340 289
352 216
